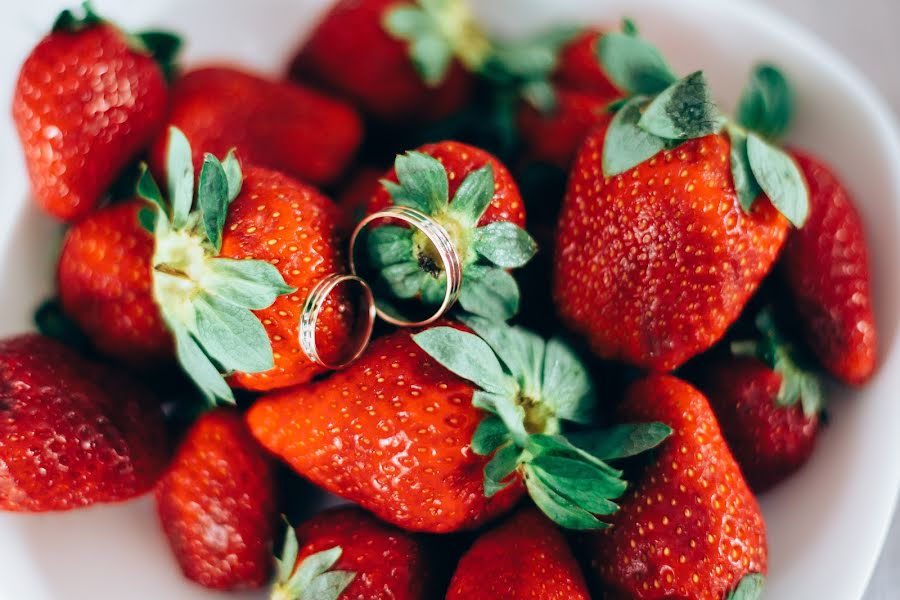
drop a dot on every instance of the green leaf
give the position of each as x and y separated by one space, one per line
490 434
541 95
473 196
767 103
314 579
404 280
498 470
424 178
780 178
559 509
627 145
566 385
233 175
633 64
744 181
582 483
490 292
253 284
683 111
212 197
529 60
163 46
558 445
400 196
148 190
180 175
199 367
289 551
405 21
629 27
621 441
505 244
147 218
431 55
328 586
389 245
232 335
466 355
749 588
69 21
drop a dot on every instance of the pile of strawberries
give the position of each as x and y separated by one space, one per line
666 243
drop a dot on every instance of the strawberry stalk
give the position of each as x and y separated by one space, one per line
529 387
313 578
206 301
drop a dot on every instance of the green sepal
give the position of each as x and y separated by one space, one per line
626 144
147 219
684 110
67 20
621 441
253 284
582 482
490 292
232 335
147 189
313 578
473 196
745 184
558 508
566 384
498 471
504 244
389 245
633 64
212 198
233 175
629 27
466 355
780 178
199 367
767 102
180 176
164 47
423 182
490 434
750 587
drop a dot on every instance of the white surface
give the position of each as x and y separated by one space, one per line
826 526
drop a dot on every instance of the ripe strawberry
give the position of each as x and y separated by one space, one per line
74 432
429 408
105 286
231 276
353 200
397 61
525 557
270 123
690 528
826 267
473 196
767 406
346 554
88 99
217 504
579 69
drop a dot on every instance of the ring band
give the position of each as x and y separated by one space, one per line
310 316
446 250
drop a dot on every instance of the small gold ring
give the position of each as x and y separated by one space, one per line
310 316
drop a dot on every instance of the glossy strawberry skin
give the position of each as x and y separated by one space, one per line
826 267
524 557
460 160
73 432
579 67
392 433
769 442
690 527
654 264
390 564
292 226
217 504
271 124
556 138
105 286
350 54
84 106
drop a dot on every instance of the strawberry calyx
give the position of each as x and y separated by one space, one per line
798 382
407 262
437 31
206 301
529 388
750 587
661 111
313 578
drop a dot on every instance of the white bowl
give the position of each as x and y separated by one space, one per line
826 525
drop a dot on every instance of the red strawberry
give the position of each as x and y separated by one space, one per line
395 60
579 69
403 436
354 197
217 504
231 276
346 554
74 432
88 99
105 285
826 267
473 196
525 557
271 124
556 137
690 528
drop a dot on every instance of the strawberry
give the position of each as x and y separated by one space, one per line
579 68
353 200
690 528
767 405
395 60
74 432
431 432
346 554
88 99
826 268
524 557
668 226
475 199
217 504
105 286
270 123
230 277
